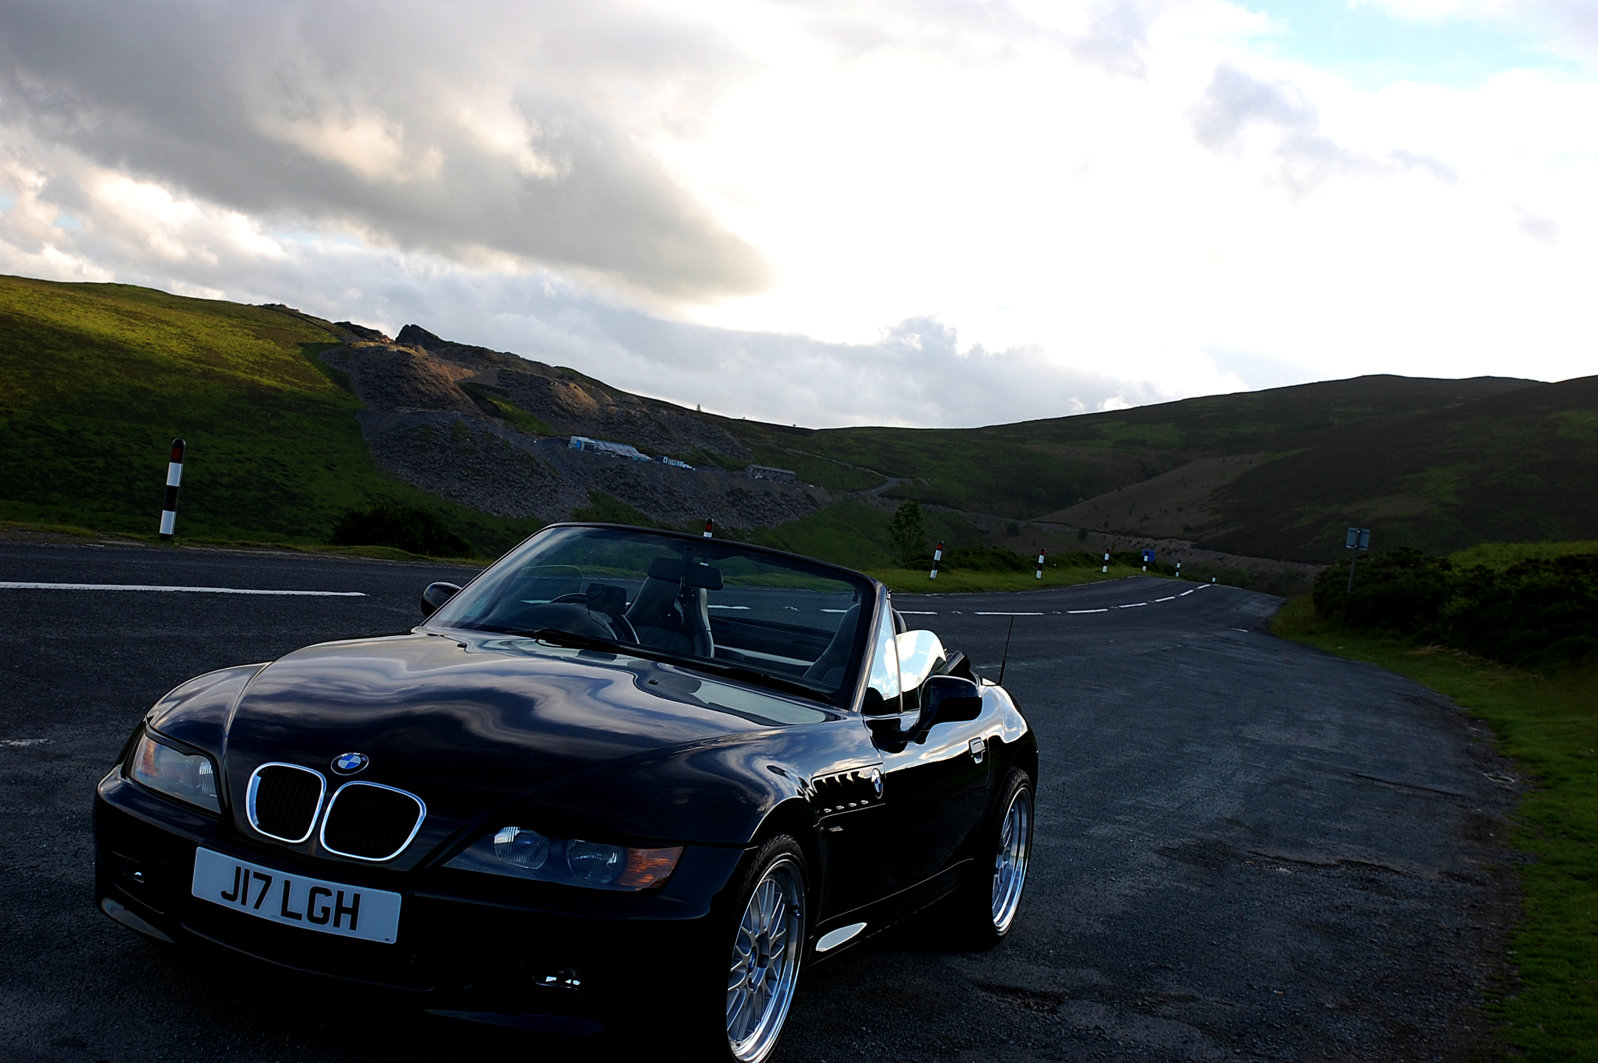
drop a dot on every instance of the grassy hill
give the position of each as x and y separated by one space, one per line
1032 469
1512 467
292 422
96 380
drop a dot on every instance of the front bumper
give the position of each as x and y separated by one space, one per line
485 947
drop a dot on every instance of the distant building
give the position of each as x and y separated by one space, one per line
766 472
602 446
675 464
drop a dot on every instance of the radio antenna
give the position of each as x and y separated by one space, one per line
1006 658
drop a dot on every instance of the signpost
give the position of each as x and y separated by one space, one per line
1359 541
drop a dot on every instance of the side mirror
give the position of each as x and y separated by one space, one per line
436 595
949 697
877 708
921 654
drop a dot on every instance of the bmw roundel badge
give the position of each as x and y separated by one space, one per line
350 763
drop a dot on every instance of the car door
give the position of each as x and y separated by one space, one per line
933 793
937 776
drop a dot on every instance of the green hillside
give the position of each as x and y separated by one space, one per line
97 379
1514 467
1033 468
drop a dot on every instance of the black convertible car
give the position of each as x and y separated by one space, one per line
622 769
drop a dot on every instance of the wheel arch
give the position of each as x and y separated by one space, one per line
795 818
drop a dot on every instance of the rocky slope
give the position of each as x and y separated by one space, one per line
490 430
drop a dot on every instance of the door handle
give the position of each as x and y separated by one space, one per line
978 748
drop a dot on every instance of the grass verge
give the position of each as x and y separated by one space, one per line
973 581
1548 724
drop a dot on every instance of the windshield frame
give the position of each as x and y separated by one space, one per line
770 599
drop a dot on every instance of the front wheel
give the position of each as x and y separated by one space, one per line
993 896
768 944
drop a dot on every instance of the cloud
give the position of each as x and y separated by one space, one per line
824 211
1117 38
1240 111
1572 29
382 117
915 373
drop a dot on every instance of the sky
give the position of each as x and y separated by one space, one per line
941 213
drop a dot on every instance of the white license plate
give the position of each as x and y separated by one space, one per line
295 900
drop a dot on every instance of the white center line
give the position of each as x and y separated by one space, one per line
170 590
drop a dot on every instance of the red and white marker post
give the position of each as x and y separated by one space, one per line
174 476
1041 552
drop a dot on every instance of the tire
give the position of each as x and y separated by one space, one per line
766 940
993 897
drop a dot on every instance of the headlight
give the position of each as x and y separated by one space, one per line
525 853
188 777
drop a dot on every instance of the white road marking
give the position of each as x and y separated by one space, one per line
1056 612
171 590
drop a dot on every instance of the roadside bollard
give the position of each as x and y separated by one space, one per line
174 476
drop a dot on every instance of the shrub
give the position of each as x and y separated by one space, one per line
1536 613
410 528
984 558
908 530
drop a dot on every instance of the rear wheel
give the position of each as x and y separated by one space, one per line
992 898
767 947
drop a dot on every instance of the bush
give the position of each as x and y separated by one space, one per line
1401 591
984 558
410 528
1537 613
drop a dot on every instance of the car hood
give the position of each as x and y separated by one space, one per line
472 723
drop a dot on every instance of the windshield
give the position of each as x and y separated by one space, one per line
718 605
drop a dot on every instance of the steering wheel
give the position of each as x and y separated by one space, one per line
621 629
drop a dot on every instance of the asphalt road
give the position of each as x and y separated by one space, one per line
1245 849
